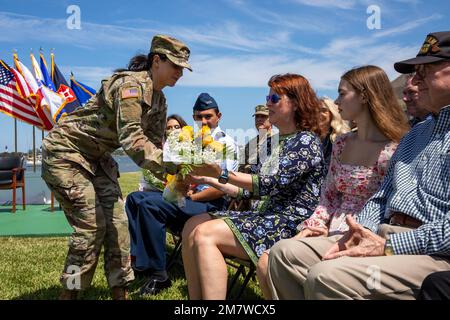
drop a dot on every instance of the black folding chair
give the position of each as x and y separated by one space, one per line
176 252
247 269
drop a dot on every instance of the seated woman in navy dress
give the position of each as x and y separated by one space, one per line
288 184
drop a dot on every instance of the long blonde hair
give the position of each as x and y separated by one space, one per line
373 85
338 125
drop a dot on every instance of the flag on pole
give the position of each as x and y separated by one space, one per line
62 87
48 81
13 98
53 100
41 105
82 91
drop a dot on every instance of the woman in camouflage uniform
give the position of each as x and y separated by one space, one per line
129 111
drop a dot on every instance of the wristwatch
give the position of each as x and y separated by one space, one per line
223 178
388 250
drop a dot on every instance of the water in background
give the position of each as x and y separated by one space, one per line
37 192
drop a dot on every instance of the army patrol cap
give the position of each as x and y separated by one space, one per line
175 50
436 47
261 109
205 102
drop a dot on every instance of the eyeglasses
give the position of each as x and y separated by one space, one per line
409 95
274 98
421 69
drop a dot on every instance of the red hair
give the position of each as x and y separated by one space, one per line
299 91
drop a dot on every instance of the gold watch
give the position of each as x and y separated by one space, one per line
388 250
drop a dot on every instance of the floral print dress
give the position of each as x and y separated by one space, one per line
347 188
288 184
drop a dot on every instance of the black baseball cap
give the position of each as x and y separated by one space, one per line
436 47
205 102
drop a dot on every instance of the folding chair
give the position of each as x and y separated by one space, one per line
241 266
174 256
246 268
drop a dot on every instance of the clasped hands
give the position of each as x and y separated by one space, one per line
356 242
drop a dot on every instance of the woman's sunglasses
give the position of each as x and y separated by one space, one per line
274 98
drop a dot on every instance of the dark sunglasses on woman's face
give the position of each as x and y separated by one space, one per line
274 98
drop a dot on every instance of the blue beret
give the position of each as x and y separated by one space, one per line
205 102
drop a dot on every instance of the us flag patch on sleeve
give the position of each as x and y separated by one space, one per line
130 93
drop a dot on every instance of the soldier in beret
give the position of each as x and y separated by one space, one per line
128 111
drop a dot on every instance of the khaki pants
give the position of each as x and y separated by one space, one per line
94 208
296 271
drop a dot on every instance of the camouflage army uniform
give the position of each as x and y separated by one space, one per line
260 143
79 169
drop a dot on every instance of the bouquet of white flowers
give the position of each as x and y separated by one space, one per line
188 150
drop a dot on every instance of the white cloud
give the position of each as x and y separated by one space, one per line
92 35
251 60
229 35
299 21
90 76
345 46
407 26
341 4
255 70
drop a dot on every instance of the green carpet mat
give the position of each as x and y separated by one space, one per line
35 221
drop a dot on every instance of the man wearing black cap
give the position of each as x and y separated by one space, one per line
403 233
149 214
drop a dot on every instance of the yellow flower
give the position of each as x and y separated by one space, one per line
171 179
186 134
216 146
189 129
207 141
206 131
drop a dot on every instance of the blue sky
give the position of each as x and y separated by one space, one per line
236 45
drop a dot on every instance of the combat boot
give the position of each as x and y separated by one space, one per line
68 294
119 293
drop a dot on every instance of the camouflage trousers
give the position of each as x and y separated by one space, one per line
94 208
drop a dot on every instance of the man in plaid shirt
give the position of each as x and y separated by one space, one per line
403 233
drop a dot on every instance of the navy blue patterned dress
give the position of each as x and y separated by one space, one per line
288 184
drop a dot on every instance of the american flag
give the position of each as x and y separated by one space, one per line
12 102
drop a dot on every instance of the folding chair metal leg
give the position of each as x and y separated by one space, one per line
236 276
250 273
174 255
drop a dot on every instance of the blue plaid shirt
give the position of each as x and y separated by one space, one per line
417 184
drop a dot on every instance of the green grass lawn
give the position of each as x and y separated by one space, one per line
30 267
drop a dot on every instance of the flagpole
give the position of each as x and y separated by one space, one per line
42 141
15 135
34 149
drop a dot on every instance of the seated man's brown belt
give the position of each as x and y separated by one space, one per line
401 219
